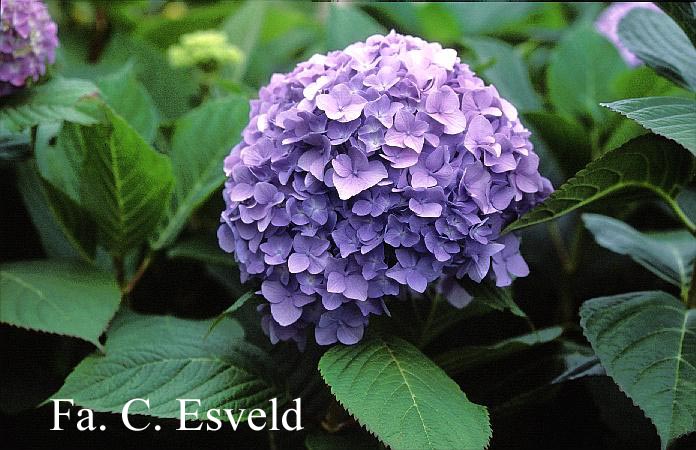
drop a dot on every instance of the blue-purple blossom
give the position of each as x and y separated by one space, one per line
369 170
353 173
608 25
28 41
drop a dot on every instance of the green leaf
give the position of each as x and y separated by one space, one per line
438 23
581 72
165 359
472 300
348 24
578 361
199 248
272 36
659 42
171 89
236 306
398 394
646 341
621 133
63 227
671 117
127 96
565 136
58 296
243 29
669 255
687 202
202 139
644 82
508 72
494 297
125 184
684 14
494 18
647 162
61 164
241 301
57 100
458 360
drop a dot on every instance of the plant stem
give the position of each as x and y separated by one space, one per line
558 243
424 338
138 274
120 270
272 445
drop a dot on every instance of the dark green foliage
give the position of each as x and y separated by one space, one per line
111 168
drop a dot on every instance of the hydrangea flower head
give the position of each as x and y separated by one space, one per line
370 170
28 41
608 25
203 47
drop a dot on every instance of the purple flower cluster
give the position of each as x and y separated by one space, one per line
28 39
608 25
383 165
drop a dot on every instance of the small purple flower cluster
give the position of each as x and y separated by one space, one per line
389 163
608 25
28 39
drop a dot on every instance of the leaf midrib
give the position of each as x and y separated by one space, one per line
34 289
583 202
411 393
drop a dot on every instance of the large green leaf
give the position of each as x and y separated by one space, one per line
669 255
58 296
646 341
659 42
507 71
243 29
164 359
581 72
647 162
64 230
398 394
458 360
127 96
60 164
494 18
272 36
202 139
57 100
125 184
671 117
684 14
348 24
565 136
437 23
171 89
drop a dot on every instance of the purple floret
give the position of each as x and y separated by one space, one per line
28 41
386 166
608 25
